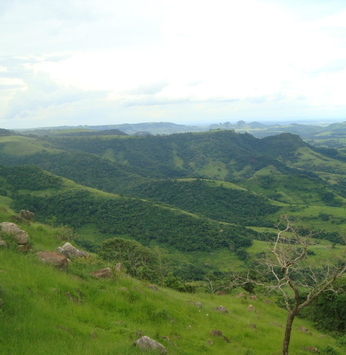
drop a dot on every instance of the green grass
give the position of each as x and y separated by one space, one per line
17 145
47 311
55 312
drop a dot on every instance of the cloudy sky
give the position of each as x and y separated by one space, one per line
93 62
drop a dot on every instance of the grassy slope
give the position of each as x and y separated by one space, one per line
47 311
18 146
101 317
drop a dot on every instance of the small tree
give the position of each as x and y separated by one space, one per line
291 272
287 270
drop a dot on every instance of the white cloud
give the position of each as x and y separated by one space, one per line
171 59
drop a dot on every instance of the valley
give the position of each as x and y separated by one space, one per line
202 205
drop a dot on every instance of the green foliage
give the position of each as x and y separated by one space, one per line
29 178
178 284
210 200
328 312
143 221
11 243
329 350
138 260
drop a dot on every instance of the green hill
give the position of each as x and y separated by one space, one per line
204 205
44 310
281 174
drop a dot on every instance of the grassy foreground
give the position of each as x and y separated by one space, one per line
45 311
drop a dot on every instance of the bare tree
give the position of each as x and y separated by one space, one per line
291 271
287 268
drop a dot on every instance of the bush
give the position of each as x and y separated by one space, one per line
138 260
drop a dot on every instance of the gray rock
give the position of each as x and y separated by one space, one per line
27 215
20 236
153 287
146 343
197 304
251 308
70 251
221 309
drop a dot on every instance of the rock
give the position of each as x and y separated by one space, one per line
27 215
240 295
70 251
311 349
251 308
118 267
57 260
18 219
253 297
3 244
304 330
221 309
103 273
24 247
146 343
153 287
218 333
252 326
20 236
197 304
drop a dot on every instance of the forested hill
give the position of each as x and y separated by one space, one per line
222 155
191 192
265 173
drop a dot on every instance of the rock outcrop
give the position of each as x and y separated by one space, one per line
146 343
57 260
70 251
20 236
27 215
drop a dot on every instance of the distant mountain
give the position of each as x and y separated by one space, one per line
150 127
121 164
333 135
6 132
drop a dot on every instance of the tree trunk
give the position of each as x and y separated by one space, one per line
288 330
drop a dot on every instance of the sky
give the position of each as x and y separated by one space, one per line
100 62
